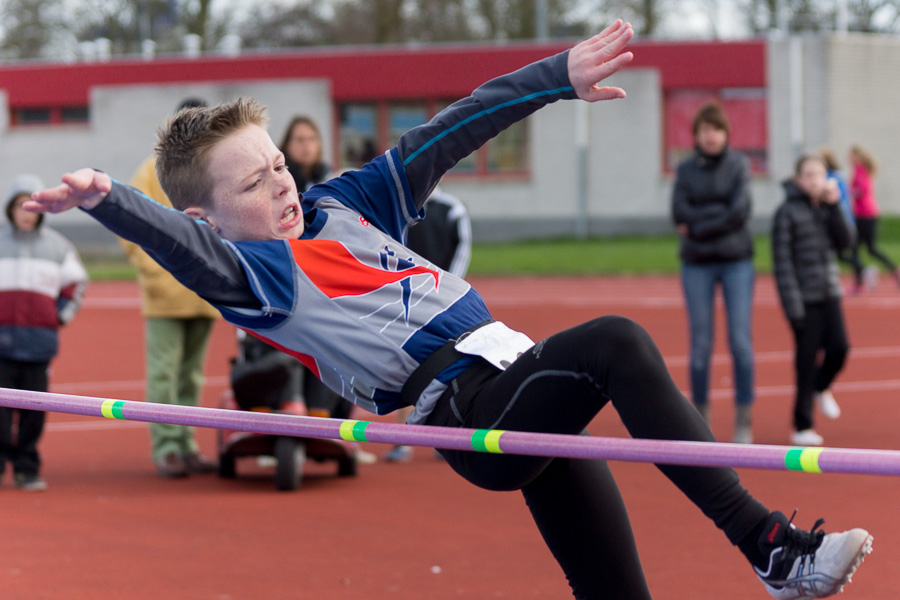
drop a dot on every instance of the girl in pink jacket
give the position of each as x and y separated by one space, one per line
865 208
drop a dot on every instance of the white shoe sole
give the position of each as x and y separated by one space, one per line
822 585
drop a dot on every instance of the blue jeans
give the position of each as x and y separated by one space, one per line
699 283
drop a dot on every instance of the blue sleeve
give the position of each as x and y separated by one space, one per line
268 266
432 149
391 190
190 250
379 192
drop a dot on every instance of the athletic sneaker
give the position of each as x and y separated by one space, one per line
30 483
365 458
870 276
399 454
811 564
827 404
743 434
806 437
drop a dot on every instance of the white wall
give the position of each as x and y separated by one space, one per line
864 94
122 129
625 178
832 91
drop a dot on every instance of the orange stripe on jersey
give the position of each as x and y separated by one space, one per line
308 361
336 272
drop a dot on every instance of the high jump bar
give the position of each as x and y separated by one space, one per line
699 454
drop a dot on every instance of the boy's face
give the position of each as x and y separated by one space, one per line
254 195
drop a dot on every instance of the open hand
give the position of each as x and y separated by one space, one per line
85 188
596 58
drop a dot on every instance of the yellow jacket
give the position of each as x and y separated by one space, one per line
162 295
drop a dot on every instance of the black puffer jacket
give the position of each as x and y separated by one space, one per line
804 238
712 197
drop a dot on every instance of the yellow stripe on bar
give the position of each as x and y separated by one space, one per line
112 409
803 459
354 431
809 460
487 440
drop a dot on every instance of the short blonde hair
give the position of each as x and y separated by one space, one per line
184 143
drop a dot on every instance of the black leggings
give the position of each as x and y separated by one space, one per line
822 329
23 451
559 386
867 234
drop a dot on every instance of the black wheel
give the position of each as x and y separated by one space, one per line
347 466
226 465
290 456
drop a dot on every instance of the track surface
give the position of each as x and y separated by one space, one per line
110 528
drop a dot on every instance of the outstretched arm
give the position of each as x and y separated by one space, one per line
190 250
429 151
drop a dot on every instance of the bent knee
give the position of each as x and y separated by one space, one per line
622 334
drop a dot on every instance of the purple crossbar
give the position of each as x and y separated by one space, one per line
705 454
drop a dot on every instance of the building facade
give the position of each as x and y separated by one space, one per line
602 168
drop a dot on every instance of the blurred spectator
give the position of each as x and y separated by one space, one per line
178 324
711 209
834 172
42 281
303 153
807 229
866 211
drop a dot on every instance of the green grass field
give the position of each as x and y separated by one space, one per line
633 255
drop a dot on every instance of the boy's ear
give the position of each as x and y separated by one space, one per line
200 214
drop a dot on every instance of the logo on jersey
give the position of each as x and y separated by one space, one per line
363 222
337 273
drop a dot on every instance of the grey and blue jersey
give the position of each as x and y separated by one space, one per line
348 298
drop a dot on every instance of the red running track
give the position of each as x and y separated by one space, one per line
109 528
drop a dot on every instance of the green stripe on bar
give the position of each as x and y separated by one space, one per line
354 431
112 409
487 440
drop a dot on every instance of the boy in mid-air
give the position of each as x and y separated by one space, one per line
327 278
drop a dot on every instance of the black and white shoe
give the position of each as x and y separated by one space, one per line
809 564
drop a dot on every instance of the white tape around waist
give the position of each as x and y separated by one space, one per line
496 343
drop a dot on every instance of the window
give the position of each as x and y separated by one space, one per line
746 109
32 116
508 152
367 130
50 115
74 114
359 134
402 118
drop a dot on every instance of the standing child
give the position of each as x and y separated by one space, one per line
807 230
177 328
866 211
330 281
41 284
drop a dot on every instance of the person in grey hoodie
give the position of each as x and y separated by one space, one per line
808 229
41 284
711 209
